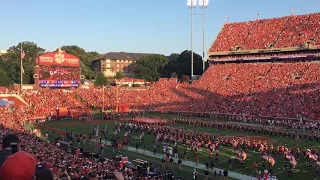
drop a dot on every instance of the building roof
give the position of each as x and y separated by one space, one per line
3 51
124 56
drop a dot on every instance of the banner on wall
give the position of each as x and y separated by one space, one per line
59 83
6 102
263 58
63 111
124 108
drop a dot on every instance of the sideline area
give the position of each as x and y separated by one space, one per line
186 163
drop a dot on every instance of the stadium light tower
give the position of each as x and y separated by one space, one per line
203 4
192 4
292 12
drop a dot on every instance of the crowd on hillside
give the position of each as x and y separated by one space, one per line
290 31
46 102
267 89
6 90
282 90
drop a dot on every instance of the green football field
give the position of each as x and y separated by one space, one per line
300 172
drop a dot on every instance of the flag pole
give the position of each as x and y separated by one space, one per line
21 73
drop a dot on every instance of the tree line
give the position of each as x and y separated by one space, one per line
149 68
153 67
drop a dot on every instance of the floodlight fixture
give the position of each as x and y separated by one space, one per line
192 3
203 3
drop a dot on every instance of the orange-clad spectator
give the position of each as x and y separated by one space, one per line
255 167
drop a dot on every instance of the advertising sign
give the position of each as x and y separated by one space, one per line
59 58
263 58
59 83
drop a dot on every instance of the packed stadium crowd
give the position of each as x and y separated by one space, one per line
284 90
45 103
291 31
270 93
35 157
6 90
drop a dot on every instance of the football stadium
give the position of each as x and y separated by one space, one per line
252 115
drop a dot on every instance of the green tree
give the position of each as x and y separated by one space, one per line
184 63
12 66
2 64
149 68
181 64
119 75
173 57
101 80
4 80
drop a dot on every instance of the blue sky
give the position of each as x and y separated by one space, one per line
151 26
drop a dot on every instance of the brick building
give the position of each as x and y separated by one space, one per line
3 52
114 62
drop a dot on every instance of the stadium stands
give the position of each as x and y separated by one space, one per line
232 35
291 31
284 90
45 102
5 90
274 89
58 160
264 31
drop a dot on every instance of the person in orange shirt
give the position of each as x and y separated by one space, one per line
167 161
101 148
255 167
197 159
97 146
121 164
119 147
